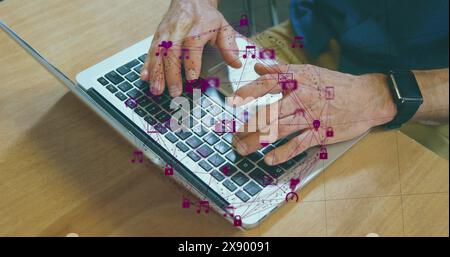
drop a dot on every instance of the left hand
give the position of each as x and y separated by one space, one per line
360 103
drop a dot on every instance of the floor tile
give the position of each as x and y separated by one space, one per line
362 174
314 191
302 219
359 217
421 171
426 215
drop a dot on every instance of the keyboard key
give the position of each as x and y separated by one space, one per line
289 164
194 156
111 89
246 165
132 64
160 128
218 132
140 112
142 58
150 120
233 157
141 85
216 160
121 96
228 170
255 157
222 147
114 77
205 151
215 110
228 117
123 70
184 148
138 69
252 188
211 139
208 121
261 178
171 137
268 149
172 127
164 97
194 142
274 171
144 101
153 109
166 106
132 77
230 185
240 179
103 81
163 117
125 86
217 175
200 131
205 102
243 196
300 157
195 123
229 138
205 165
198 113
135 94
183 135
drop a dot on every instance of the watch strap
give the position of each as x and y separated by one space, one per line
405 112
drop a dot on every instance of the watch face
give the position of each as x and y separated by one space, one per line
406 86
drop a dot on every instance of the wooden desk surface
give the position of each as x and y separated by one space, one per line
63 170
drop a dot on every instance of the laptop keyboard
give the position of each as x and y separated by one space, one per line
243 176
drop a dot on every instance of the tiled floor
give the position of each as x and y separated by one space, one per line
361 216
396 197
426 214
349 177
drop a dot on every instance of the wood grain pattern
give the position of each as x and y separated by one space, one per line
63 170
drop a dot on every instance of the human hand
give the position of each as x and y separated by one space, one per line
360 103
188 24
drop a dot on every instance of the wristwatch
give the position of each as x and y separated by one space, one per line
406 94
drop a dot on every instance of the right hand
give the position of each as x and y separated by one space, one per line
189 24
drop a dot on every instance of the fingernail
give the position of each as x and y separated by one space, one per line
154 88
241 148
174 91
191 74
269 159
144 75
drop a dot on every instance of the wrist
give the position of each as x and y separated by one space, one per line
384 109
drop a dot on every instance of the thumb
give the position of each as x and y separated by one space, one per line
262 69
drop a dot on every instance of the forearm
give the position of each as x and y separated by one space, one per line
434 87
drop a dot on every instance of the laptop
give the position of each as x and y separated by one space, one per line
244 190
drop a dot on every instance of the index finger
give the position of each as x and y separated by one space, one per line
153 70
266 84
